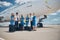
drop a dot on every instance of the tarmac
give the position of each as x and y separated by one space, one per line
46 33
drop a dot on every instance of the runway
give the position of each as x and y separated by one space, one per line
46 33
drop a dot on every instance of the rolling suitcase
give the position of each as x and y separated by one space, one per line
11 28
20 27
27 28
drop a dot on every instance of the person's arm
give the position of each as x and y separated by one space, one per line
14 18
18 18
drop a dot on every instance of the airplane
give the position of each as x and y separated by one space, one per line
39 7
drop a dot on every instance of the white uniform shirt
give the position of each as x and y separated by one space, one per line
16 18
31 18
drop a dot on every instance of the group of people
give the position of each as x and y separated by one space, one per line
21 23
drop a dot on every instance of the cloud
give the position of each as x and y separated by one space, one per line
4 3
55 19
53 14
58 11
20 1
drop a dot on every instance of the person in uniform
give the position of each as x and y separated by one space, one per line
34 22
27 21
22 23
31 20
16 21
12 23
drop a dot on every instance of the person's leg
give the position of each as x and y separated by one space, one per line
34 26
19 26
31 25
26 24
22 27
16 25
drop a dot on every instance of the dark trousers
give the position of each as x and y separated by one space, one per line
31 25
16 25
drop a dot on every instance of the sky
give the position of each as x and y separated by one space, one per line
5 4
53 18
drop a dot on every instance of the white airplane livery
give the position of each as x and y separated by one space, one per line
39 7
